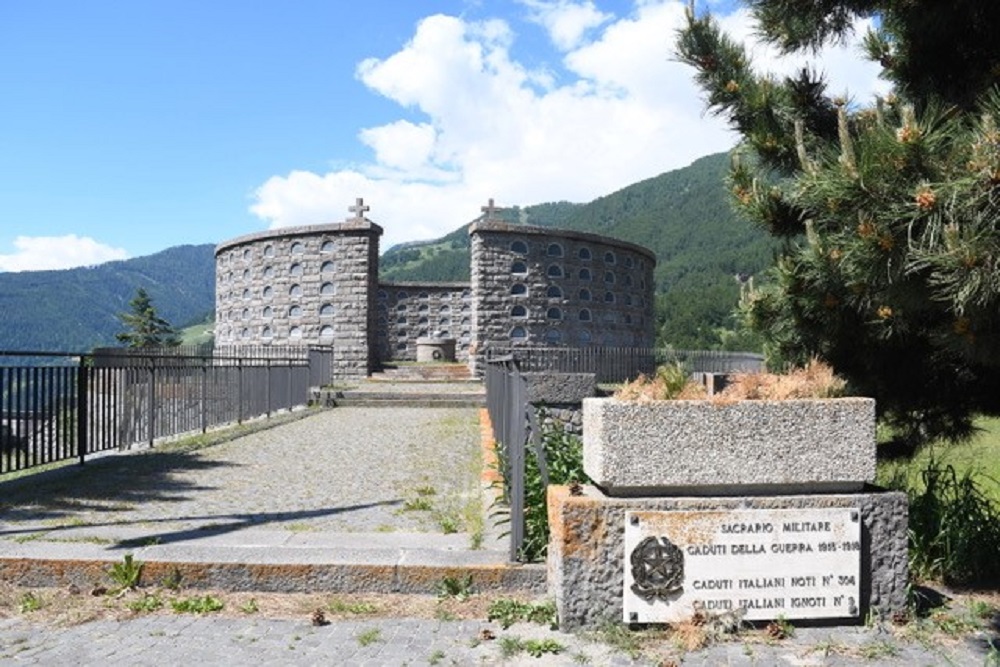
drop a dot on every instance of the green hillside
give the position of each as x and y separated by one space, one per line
683 216
75 310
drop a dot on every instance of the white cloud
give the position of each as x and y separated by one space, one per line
42 253
623 110
566 22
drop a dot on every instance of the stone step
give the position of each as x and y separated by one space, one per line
279 561
423 373
368 400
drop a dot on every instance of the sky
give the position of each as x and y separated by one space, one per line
130 127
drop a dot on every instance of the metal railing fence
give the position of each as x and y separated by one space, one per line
514 425
621 364
72 406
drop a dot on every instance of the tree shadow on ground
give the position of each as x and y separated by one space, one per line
110 484
234 522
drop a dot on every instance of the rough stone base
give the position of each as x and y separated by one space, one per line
586 549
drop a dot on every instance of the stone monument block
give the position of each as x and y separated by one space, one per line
706 447
757 557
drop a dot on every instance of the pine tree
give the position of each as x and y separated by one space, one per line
144 327
888 210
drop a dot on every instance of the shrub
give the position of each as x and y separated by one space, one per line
954 529
564 462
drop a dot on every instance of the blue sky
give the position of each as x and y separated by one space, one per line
130 127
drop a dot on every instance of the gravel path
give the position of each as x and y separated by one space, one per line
348 469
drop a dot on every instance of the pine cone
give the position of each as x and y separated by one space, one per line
486 634
319 618
776 631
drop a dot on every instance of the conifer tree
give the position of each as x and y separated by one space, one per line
889 208
144 327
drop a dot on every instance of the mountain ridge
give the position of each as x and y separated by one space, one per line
683 216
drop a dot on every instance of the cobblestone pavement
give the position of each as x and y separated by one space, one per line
164 639
351 469
348 469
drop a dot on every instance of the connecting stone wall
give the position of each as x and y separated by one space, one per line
302 285
318 285
407 311
533 286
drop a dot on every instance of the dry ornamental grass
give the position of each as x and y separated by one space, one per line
815 380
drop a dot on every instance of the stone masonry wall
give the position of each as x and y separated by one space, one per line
302 285
534 286
407 311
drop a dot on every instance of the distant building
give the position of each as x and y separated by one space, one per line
530 286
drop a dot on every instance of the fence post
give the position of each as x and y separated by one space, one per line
239 390
152 399
515 416
267 389
82 403
204 394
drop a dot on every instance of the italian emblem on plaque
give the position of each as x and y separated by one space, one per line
657 569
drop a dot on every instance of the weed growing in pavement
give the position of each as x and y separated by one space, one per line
30 537
126 574
510 646
436 657
442 614
369 637
459 588
172 581
982 609
536 648
197 605
507 612
250 606
146 603
29 602
620 638
359 608
418 504
878 650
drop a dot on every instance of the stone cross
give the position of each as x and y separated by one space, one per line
490 210
359 209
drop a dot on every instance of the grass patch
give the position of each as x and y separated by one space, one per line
369 637
507 611
198 605
979 456
29 602
356 608
954 498
459 588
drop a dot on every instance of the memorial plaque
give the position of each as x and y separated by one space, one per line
801 563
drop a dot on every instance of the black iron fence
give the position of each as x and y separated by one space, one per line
514 425
56 407
620 364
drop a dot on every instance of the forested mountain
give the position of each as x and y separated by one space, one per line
75 310
683 216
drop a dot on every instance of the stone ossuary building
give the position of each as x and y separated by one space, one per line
530 286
